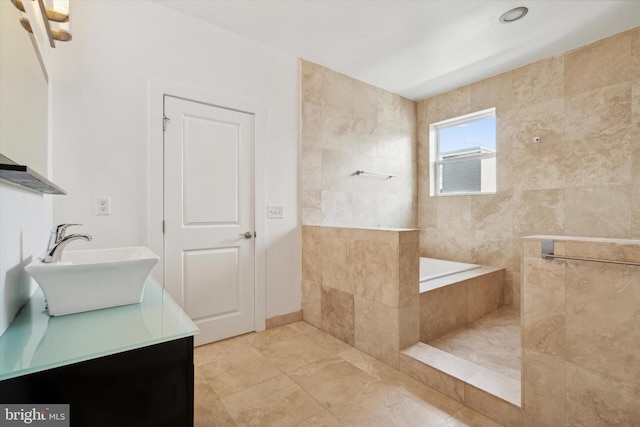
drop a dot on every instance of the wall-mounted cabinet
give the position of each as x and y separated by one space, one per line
26 177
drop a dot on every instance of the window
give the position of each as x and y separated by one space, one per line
463 154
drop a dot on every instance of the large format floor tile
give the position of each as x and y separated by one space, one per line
297 375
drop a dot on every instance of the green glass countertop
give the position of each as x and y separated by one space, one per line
35 342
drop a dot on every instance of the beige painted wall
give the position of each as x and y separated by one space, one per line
582 179
346 126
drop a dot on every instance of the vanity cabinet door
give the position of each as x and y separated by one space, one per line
151 386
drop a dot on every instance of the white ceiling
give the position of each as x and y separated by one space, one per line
417 48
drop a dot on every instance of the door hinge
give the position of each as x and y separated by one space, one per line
163 227
165 119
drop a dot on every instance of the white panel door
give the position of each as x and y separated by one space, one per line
208 209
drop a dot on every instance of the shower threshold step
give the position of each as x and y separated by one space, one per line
453 376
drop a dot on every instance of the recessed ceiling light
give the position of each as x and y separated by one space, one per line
513 15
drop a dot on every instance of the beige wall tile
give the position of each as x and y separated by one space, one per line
311 175
493 92
599 399
547 335
600 212
539 212
365 105
311 133
337 311
590 135
598 111
635 51
451 104
603 63
355 126
311 78
377 330
376 271
311 206
312 303
484 294
544 390
538 165
602 318
589 139
492 244
599 138
635 101
544 289
595 379
409 268
337 92
506 123
531 248
544 306
409 321
541 81
283 319
603 250
442 311
334 256
311 267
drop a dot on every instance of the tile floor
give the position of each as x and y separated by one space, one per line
493 342
297 375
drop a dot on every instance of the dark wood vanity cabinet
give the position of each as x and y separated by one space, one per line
148 386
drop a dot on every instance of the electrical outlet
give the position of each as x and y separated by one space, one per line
275 211
103 205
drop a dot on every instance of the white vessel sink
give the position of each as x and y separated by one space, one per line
93 279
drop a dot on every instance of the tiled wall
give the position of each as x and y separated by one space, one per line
581 355
582 178
361 286
346 126
461 299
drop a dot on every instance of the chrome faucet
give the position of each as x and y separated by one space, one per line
58 241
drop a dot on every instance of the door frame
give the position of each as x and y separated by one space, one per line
155 185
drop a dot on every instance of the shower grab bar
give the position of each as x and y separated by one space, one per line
388 175
547 253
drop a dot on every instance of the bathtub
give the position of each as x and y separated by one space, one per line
449 300
432 268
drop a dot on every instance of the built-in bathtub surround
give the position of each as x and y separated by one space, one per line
452 302
581 358
582 177
348 125
361 286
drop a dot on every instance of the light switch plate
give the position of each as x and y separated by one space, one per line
275 211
